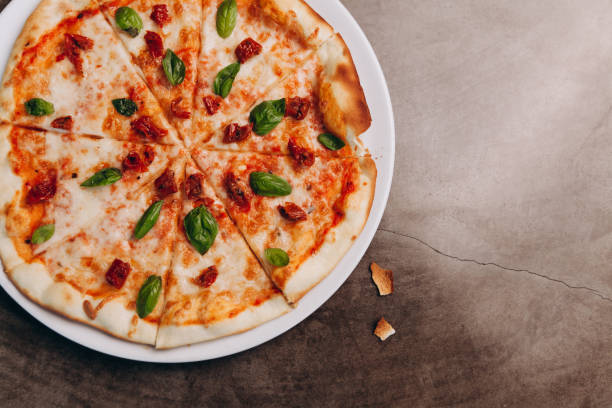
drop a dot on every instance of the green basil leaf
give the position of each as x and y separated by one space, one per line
104 177
125 107
148 296
148 220
128 20
269 185
201 229
277 257
43 234
267 115
330 141
227 14
39 107
174 68
225 80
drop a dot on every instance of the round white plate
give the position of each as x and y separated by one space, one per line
380 140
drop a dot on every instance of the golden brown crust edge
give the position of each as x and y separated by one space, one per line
35 283
299 18
341 97
10 191
338 243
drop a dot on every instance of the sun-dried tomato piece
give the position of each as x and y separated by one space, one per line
155 44
64 123
81 41
212 103
148 155
146 128
193 186
73 44
301 154
117 273
207 277
160 15
178 111
133 161
236 192
44 189
235 133
165 184
297 107
247 49
137 162
292 212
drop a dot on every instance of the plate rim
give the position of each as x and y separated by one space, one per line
103 343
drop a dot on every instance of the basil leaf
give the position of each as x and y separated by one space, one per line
225 80
277 257
267 115
330 141
227 14
148 296
148 220
128 20
104 177
269 185
43 234
201 229
39 107
174 68
125 107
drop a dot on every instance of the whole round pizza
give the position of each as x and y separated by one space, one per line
179 171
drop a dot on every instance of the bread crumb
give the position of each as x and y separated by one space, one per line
384 329
383 278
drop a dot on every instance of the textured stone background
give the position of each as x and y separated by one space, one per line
498 230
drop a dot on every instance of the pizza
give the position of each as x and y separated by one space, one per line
171 37
179 171
68 71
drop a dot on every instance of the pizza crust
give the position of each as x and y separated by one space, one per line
383 278
345 113
339 240
384 330
10 191
34 281
299 18
47 16
341 97
173 336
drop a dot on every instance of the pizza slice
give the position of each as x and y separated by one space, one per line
216 286
68 71
248 46
111 274
163 38
55 185
299 220
319 110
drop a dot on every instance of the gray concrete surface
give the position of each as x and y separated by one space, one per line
499 231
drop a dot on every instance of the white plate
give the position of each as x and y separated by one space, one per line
380 139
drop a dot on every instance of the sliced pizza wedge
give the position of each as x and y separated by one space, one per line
216 286
299 220
112 273
69 71
163 38
247 46
319 110
59 184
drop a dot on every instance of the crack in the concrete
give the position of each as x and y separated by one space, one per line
527 271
